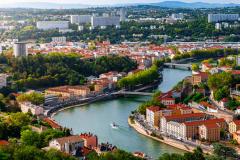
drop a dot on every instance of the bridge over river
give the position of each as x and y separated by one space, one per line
178 65
133 93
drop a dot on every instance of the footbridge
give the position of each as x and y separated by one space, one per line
133 93
178 65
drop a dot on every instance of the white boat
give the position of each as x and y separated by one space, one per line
114 125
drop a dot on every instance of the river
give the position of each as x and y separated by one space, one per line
97 117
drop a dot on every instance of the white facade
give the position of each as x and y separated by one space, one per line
67 144
150 117
222 17
35 110
105 21
175 130
59 39
218 26
3 80
47 25
80 19
178 16
20 49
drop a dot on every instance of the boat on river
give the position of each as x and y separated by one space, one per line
114 125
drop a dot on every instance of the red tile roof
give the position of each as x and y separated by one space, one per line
52 123
154 108
209 121
185 116
4 143
212 125
237 122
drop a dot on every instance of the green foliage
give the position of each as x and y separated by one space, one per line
115 155
34 98
195 67
196 155
24 152
143 77
56 69
227 62
204 54
221 93
153 102
233 104
224 151
217 81
32 138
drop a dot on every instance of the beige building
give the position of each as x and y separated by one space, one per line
153 116
180 119
199 78
29 107
209 132
234 126
68 144
69 91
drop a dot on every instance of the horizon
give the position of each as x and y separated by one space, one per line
110 2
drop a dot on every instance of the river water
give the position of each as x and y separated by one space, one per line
97 117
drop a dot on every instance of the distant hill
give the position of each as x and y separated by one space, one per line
178 4
166 4
44 5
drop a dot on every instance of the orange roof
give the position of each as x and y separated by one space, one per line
4 143
52 123
211 125
236 72
154 108
185 116
237 122
209 121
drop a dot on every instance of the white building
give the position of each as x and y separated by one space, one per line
218 26
20 49
47 25
3 80
29 107
59 39
178 16
80 19
105 21
222 17
122 15
175 130
68 144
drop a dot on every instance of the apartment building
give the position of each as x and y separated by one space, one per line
48 25
153 115
199 78
69 91
209 132
222 17
69 144
234 126
180 119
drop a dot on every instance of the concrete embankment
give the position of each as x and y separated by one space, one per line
165 140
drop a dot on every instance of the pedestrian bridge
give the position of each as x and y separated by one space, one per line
133 93
177 65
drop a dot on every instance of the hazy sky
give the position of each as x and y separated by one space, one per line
114 1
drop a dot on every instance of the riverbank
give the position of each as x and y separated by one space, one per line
165 140
109 96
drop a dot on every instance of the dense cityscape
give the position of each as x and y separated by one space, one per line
120 82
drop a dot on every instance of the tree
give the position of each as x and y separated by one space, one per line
34 98
31 138
28 153
195 67
221 93
224 151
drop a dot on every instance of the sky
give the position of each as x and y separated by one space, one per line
101 2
